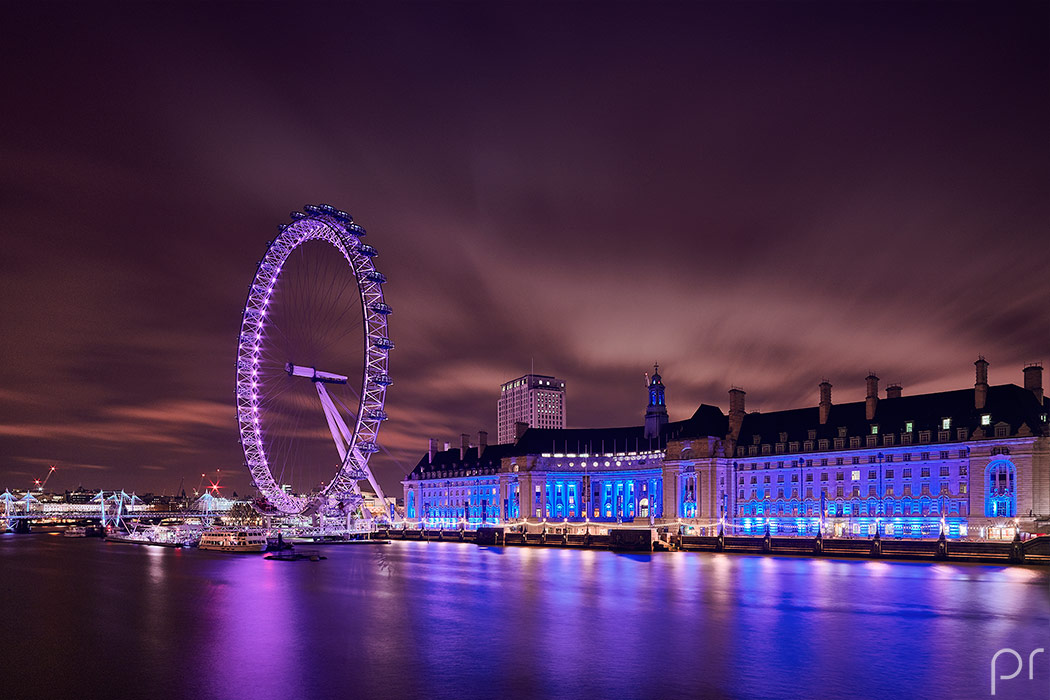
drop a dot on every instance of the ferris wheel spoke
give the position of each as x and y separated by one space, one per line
333 297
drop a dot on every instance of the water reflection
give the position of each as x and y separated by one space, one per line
453 620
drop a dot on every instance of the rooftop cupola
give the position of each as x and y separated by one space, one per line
656 411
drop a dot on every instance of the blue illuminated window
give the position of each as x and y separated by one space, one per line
1001 495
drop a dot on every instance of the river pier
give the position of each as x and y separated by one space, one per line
1034 551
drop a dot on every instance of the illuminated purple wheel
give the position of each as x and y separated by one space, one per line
312 363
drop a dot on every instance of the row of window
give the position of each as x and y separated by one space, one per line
961 453
871 440
909 427
758 494
906 473
869 507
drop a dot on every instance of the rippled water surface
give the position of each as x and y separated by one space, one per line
85 618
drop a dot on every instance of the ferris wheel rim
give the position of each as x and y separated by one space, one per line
323 223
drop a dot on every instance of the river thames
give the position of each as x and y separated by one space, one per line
85 618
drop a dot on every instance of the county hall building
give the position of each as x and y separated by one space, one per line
975 461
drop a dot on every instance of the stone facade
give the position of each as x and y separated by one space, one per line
906 465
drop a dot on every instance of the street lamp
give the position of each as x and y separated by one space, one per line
722 514
448 501
823 508
880 509
944 527
801 481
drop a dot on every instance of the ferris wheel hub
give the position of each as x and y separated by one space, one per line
314 375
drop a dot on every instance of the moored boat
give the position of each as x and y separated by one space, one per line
239 540
295 556
140 539
155 535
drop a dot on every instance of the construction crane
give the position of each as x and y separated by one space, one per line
41 484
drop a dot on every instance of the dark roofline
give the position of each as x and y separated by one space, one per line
1007 403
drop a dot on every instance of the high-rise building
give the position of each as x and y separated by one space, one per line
535 399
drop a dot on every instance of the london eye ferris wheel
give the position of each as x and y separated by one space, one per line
312 363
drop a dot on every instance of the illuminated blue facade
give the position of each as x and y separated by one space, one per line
858 490
579 487
1001 489
905 466
575 487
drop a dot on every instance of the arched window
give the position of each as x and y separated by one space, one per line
1000 498
411 504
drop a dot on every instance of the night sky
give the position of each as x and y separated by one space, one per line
752 195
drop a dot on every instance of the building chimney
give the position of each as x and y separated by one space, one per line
736 410
447 446
483 441
980 387
464 443
894 391
872 400
519 429
736 400
432 450
825 401
1033 380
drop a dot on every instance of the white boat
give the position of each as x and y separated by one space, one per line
158 535
234 540
74 531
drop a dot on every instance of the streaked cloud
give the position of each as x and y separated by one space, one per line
762 213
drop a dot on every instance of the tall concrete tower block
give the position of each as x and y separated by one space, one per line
538 400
